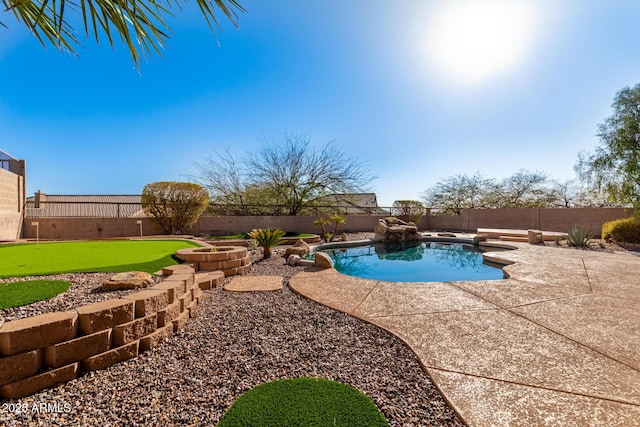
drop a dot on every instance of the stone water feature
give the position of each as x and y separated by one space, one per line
392 229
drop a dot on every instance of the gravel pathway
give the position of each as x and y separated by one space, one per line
235 342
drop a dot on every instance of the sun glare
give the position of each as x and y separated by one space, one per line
473 41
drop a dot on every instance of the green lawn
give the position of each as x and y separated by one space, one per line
89 256
303 402
18 294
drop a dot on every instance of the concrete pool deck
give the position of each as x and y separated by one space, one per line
557 343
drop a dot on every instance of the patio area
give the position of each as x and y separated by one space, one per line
557 343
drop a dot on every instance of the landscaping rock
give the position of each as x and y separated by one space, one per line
300 248
391 229
323 260
293 260
534 237
128 280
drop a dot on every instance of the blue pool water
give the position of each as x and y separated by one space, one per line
415 262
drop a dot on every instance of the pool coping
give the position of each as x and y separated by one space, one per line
555 343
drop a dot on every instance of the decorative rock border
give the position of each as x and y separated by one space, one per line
41 351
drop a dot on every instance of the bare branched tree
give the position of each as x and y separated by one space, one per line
224 177
301 173
292 173
523 189
458 192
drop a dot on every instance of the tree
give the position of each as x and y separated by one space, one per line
293 174
614 167
566 194
408 210
458 192
140 24
175 206
523 189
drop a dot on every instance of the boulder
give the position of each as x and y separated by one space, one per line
293 260
300 248
128 280
480 238
535 237
381 228
323 260
344 237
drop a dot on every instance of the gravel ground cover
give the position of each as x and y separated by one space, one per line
235 342
85 289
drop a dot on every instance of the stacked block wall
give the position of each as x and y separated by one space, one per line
41 351
12 194
559 220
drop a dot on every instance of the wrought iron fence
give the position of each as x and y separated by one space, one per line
97 209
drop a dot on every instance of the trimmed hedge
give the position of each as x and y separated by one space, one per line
625 230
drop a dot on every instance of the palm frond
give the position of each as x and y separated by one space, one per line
140 24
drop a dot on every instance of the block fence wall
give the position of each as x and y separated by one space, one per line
41 351
470 220
545 219
12 197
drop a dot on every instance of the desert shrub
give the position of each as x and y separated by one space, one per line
578 237
175 206
622 230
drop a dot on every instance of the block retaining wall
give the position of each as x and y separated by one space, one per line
40 351
12 195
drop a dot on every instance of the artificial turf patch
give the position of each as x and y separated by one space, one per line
303 402
17 294
89 257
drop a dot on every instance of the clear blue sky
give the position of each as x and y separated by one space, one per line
421 90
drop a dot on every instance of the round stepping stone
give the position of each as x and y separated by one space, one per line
254 283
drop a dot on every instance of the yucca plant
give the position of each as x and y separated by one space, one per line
267 238
578 237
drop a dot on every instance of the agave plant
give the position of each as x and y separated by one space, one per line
267 238
578 237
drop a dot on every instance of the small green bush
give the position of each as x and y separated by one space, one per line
578 237
625 230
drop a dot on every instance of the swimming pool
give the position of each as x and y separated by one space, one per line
415 262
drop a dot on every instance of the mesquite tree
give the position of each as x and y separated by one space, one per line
293 173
